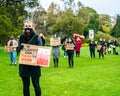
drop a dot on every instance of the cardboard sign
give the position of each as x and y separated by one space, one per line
99 47
34 55
112 46
8 49
55 41
70 47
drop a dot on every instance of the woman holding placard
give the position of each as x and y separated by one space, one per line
55 43
70 52
28 72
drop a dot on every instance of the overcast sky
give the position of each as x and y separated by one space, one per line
111 7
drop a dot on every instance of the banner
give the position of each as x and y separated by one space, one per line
70 47
35 55
55 41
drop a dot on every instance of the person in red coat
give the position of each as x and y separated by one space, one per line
78 45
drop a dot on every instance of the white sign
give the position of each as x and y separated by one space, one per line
91 34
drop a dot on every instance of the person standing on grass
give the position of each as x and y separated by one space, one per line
109 43
28 72
63 48
100 47
78 45
13 44
114 46
92 46
70 52
55 52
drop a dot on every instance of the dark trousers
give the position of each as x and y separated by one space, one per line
77 54
92 53
55 60
114 50
101 54
26 85
70 59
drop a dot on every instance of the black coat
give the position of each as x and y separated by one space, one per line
92 45
27 70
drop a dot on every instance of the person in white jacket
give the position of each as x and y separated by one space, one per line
14 44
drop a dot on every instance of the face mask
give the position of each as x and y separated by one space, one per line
27 32
70 40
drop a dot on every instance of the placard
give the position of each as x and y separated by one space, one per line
70 47
99 47
34 55
8 48
55 41
91 34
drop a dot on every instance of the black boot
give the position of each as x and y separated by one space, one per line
54 62
57 62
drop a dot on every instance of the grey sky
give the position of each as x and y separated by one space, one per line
111 7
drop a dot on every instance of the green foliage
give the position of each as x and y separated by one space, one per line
105 23
104 36
116 28
12 15
5 28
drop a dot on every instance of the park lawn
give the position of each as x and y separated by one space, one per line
89 77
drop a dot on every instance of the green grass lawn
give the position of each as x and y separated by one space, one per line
89 77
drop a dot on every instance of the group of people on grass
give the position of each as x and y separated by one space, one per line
69 46
103 47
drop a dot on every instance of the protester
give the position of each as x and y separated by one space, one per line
55 52
70 52
13 44
43 38
92 46
104 46
100 48
26 71
78 45
114 46
63 48
109 43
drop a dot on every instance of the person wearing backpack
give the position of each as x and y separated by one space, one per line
13 44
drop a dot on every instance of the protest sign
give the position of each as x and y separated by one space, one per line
99 47
70 47
91 34
55 41
34 55
8 49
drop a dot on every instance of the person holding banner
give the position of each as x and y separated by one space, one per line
13 44
55 43
27 71
70 52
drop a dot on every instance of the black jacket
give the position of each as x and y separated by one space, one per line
27 70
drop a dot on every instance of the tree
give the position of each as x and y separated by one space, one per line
105 23
116 29
12 15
